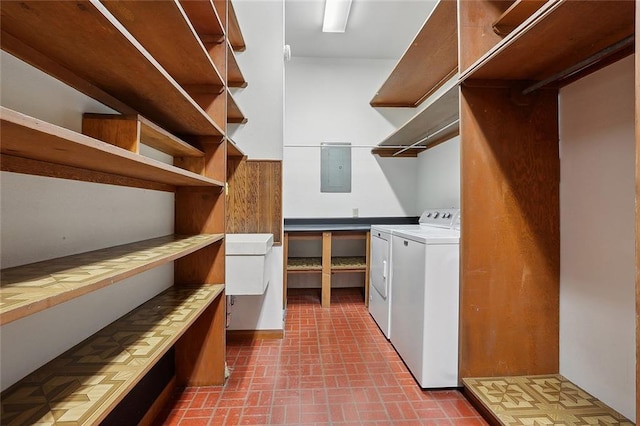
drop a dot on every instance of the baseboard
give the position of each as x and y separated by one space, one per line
161 402
254 334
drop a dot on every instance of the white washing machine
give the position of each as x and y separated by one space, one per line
381 259
424 302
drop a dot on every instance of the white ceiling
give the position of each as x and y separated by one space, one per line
377 29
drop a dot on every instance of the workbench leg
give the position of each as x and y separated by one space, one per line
285 255
366 271
326 269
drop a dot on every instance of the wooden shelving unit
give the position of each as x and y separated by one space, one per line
185 58
129 131
436 123
429 62
28 289
29 138
173 95
509 322
427 72
327 264
101 370
569 31
104 65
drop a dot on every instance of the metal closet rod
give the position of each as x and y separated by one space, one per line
351 146
582 64
426 138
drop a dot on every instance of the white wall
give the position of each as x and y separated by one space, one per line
262 101
327 100
597 204
42 218
438 183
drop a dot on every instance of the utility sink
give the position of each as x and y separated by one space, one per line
247 263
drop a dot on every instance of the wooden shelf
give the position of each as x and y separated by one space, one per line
83 384
438 118
234 113
233 150
82 44
559 35
338 264
234 74
430 60
545 396
32 288
519 12
185 58
205 20
97 125
28 137
235 34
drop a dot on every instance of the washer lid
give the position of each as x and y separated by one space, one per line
431 235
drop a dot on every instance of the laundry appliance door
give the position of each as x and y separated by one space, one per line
379 280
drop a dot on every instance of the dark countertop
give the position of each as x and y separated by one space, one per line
343 223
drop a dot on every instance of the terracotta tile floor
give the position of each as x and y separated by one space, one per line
334 367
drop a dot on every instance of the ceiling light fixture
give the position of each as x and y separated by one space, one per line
336 14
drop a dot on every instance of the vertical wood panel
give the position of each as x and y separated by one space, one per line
637 123
326 269
200 353
510 256
252 185
255 197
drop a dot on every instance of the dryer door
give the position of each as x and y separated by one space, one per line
379 273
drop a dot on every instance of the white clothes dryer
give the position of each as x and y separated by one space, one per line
381 260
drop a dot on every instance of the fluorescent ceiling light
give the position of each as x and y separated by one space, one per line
336 14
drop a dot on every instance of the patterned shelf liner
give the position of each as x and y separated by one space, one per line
337 263
25 290
82 385
540 400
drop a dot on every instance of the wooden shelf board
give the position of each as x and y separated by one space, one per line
338 264
234 74
441 109
153 135
102 369
83 45
488 394
235 34
430 60
205 20
517 13
393 152
185 57
233 150
32 288
570 32
234 113
28 137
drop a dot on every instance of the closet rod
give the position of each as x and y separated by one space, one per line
352 146
426 138
582 64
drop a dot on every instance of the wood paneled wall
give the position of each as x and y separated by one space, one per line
254 201
510 242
